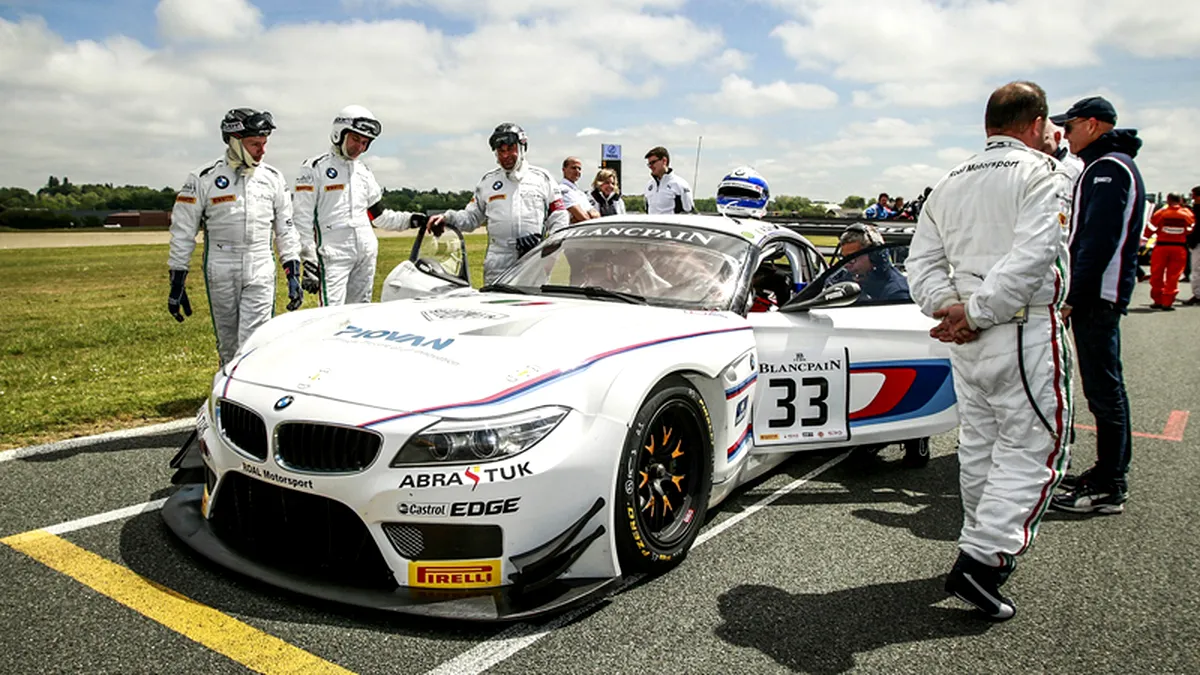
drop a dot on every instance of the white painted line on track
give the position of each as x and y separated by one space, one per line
106 517
508 642
83 441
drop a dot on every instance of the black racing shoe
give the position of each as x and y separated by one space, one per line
1089 498
1191 301
1073 480
974 585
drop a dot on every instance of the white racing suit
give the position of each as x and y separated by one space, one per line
515 204
993 235
237 215
335 202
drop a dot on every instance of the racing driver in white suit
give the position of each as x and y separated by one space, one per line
989 258
335 203
237 200
520 202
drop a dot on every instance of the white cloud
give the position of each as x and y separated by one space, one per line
1170 147
593 131
684 122
517 9
742 98
147 115
908 180
885 132
731 61
208 21
954 155
931 53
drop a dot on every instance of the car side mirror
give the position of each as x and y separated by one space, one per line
835 295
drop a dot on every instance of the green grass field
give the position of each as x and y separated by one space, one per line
87 344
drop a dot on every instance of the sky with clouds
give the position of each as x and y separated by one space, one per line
825 97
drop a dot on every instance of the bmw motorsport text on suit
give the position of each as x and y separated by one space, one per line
992 235
237 215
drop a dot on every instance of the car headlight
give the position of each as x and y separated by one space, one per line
473 440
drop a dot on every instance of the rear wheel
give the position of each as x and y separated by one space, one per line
664 479
916 452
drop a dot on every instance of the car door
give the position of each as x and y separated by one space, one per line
866 372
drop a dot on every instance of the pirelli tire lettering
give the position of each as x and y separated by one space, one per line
664 478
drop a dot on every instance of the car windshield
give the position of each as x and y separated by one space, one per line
667 265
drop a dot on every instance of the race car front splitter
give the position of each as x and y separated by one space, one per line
536 590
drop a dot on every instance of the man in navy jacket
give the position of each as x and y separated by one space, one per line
1107 219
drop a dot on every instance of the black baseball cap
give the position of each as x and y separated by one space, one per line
1092 106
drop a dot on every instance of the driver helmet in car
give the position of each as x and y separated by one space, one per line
743 192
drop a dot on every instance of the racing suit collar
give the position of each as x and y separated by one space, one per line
1118 140
1002 139
238 158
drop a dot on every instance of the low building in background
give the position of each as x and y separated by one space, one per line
138 219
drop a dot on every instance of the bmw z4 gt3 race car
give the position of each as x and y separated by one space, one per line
507 452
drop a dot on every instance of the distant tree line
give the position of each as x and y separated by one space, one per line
62 204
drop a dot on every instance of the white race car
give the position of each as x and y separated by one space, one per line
502 453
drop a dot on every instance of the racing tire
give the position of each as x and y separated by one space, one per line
664 479
916 452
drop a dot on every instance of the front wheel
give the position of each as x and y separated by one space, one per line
664 479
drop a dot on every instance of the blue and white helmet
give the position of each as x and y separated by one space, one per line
743 193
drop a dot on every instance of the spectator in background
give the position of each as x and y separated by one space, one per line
879 210
666 192
898 208
1106 221
1053 145
579 206
606 194
1173 224
915 206
1193 243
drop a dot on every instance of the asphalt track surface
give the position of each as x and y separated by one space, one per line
832 564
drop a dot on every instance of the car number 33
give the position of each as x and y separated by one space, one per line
802 397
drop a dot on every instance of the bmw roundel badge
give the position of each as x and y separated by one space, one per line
497 185
331 172
221 182
284 402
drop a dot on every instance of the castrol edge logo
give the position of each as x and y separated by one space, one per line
461 574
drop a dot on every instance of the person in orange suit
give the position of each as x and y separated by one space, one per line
1173 223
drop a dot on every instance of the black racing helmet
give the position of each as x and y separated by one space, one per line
508 134
244 122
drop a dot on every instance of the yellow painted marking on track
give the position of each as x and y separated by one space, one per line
219 632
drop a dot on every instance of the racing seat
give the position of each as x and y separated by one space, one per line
768 277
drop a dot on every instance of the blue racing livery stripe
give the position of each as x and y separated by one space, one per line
731 393
739 445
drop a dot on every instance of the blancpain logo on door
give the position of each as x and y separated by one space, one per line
471 475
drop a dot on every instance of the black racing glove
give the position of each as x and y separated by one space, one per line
178 297
527 243
417 220
312 277
291 270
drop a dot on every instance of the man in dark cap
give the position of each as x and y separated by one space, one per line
1106 224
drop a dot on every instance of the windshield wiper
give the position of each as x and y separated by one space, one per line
504 288
595 292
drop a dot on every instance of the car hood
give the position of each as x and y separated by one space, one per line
417 354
